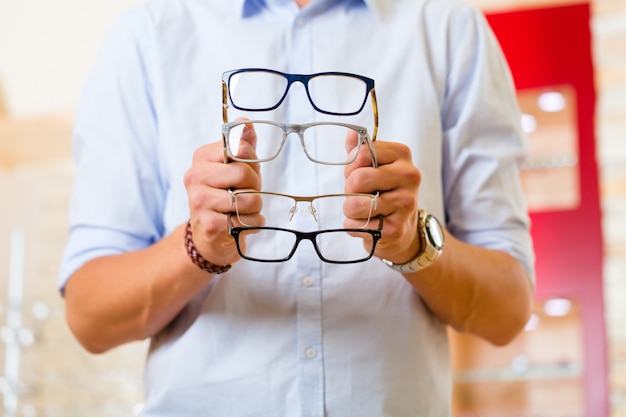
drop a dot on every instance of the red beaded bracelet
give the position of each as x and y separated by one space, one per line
197 259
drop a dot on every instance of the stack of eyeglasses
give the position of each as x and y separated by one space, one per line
273 241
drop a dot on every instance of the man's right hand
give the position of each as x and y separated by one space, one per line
207 183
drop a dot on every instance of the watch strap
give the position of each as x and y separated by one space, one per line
427 255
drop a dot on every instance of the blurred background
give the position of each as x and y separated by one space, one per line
568 60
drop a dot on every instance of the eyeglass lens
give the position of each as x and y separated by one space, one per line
258 90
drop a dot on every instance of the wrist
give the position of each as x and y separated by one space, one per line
431 239
197 258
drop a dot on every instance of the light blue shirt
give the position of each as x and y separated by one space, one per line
300 338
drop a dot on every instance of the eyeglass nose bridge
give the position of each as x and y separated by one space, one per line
310 236
293 210
303 79
311 209
298 130
296 78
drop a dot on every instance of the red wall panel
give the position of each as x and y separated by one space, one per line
552 46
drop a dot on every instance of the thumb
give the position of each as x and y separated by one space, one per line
352 140
247 143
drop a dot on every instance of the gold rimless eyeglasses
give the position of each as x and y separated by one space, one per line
279 209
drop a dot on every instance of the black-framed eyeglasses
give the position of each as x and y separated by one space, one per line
275 244
322 142
332 93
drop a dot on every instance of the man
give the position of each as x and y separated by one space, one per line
302 337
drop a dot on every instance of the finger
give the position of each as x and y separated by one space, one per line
357 153
248 220
246 203
207 181
360 209
247 143
366 238
236 175
395 170
352 140
212 152
390 152
211 237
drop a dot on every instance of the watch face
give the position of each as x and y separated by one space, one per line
435 232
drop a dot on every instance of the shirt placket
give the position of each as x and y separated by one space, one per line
310 351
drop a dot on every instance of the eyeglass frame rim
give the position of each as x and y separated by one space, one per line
299 129
309 199
302 78
235 231
370 83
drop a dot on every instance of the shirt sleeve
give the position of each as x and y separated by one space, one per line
484 145
118 195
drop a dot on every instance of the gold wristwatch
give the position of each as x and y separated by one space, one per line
431 238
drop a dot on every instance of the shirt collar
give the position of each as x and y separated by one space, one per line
378 7
250 7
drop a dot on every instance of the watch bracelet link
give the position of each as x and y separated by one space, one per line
426 255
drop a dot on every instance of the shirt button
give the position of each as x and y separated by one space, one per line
310 353
308 281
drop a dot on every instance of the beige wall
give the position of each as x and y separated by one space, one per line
46 49
42 66
609 29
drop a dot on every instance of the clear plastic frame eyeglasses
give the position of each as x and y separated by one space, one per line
275 244
279 209
322 142
333 93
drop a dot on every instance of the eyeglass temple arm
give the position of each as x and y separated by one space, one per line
370 143
224 102
375 111
224 117
224 146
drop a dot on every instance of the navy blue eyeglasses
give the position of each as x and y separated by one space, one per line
259 89
333 93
